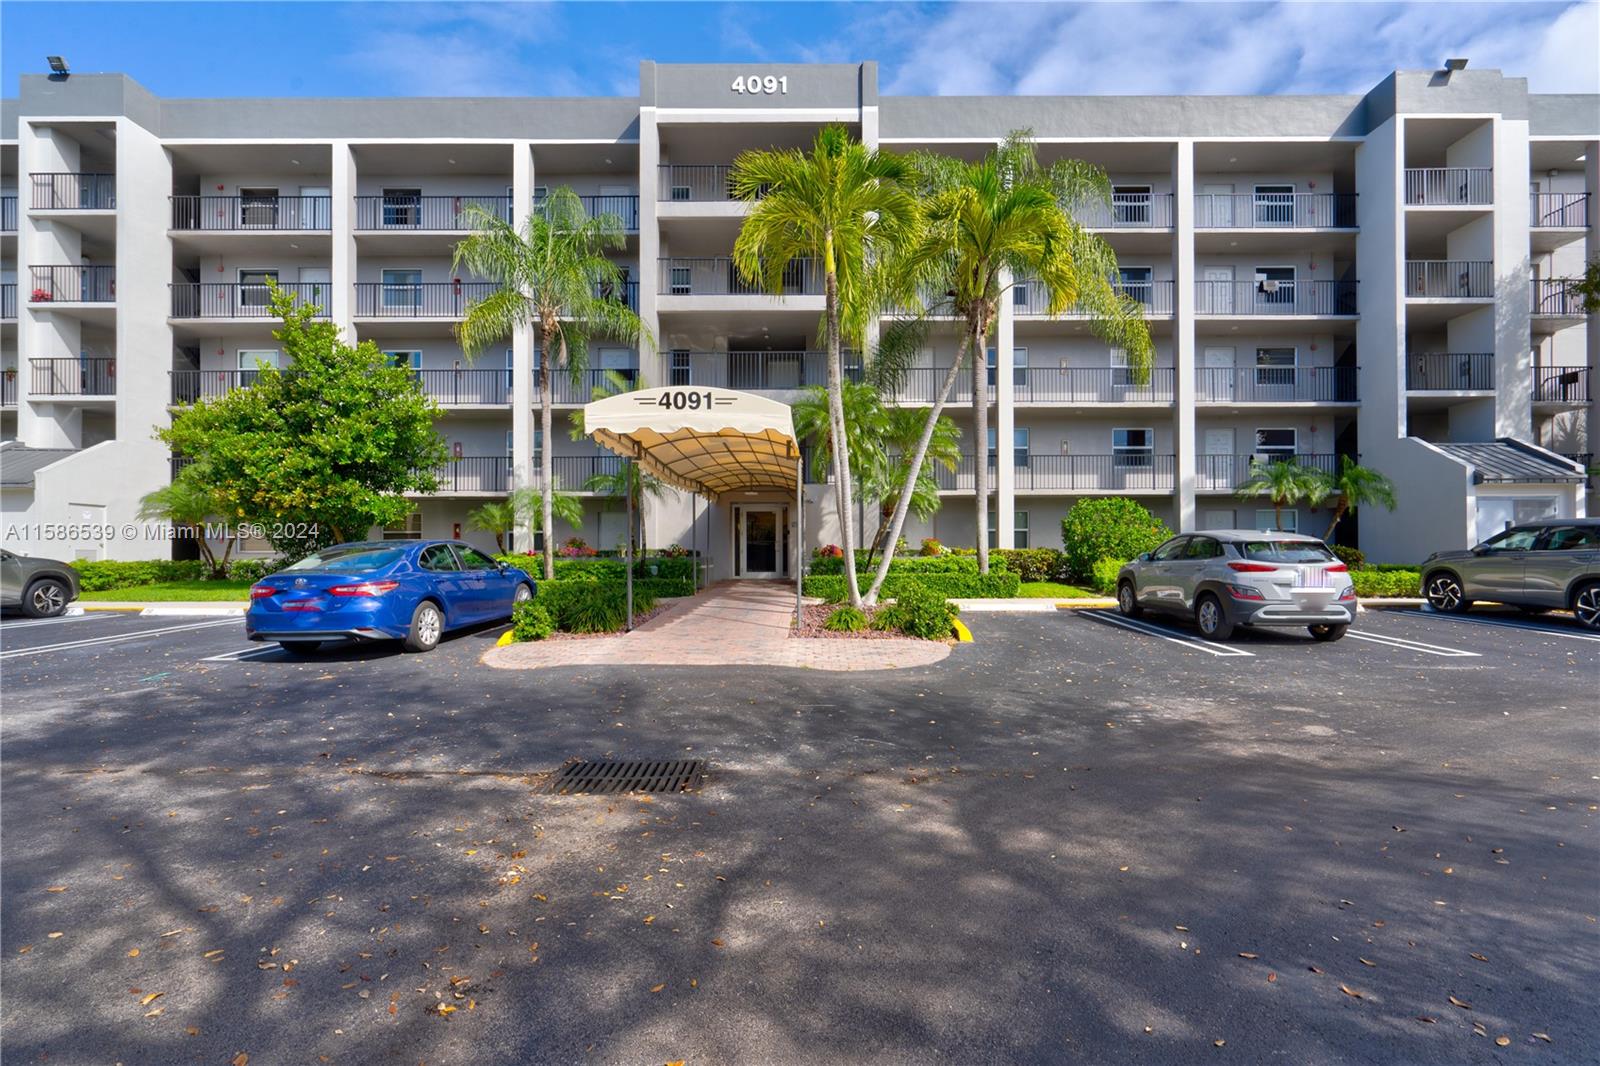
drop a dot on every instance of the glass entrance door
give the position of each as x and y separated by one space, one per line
758 542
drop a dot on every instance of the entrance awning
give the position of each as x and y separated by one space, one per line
705 440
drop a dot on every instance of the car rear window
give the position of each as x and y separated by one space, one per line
349 561
1285 551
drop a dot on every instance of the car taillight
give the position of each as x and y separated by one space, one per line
1244 592
365 588
1337 568
260 591
1252 568
1348 594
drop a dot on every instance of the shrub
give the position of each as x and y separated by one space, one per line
602 568
531 621
828 551
254 569
930 546
921 564
575 547
918 611
1354 558
994 585
1112 527
1387 582
846 620
1104 575
97 575
1030 564
579 606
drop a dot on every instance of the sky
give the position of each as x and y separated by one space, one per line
522 48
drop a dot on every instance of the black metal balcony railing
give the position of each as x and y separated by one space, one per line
685 182
563 390
1267 297
230 213
73 377
221 299
176 463
765 371
74 192
1449 186
446 213
1559 210
1131 471
1090 385
1450 371
624 292
73 284
427 299
1033 298
8 214
1467 279
1226 473
1276 384
718 277
8 300
475 473
192 386
8 387
1561 384
1127 210
624 207
459 387
1275 210
920 384
572 472
1556 298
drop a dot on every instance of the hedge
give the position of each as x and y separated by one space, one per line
580 606
604 569
827 565
995 585
1373 582
97 575
1031 564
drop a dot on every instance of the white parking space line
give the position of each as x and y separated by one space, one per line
1221 650
1413 645
243 655
1504 623
63 620
116 638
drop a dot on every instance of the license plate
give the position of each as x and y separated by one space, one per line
1314 577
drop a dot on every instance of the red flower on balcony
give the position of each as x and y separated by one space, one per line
40 296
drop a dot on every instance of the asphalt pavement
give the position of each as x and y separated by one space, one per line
1075 840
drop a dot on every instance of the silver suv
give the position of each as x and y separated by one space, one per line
1542 567
1240 577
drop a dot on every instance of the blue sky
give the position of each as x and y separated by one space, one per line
557 49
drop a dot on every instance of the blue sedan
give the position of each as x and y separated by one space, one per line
383 590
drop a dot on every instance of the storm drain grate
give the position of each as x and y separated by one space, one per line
607 777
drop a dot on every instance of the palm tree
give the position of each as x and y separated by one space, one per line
496 517
540 509
864 419
1284 482
901 434
1353 485
987 225
848 208
553 275
188 503
617 481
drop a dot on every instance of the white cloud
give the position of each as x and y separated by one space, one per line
461 49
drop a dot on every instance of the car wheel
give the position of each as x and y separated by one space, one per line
1212 619
1127 601
45 598
1444 593
522 595
427 626
1586 605
1328 634
299 649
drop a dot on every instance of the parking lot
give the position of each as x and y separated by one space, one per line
1077 839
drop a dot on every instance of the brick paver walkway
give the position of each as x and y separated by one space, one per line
735 623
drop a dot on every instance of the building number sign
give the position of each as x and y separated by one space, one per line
761 86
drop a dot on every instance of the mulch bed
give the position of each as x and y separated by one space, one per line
816 613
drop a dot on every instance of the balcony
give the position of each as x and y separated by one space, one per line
1226 473
254 214
73 284
192 386
466 387
444 214
1127 210
1091 385
1555 298
919 386
1269 299
89 378
565 393
8 388
1449 186
625 208
694 182
475 475
1450 279
1032 298
8 301
176 464
764 371
428 299
1561 386
74 192
1276 384
1450 372
221 299
1131 472
719 277
8 214
572 472
1271 210
1559 210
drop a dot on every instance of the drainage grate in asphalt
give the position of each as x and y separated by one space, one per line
607 777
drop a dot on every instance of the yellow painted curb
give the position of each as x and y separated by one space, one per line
1085 604
505 638
963 634
111 606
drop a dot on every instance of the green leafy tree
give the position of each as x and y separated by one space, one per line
1587 288
495 517
336 441
189 503
620 481
1350 487
848 209
1283 482
988 225
551 274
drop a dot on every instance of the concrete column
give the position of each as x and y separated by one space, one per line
143 338
342 267
1591 251
1005 473
41 334
1183 339
522 415
1513 289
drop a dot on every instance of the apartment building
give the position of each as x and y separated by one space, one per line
1382 276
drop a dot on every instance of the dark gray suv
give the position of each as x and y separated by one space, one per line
41 587
1547 566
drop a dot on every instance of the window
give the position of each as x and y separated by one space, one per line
258 208
1133 447
1019 294
511 439
1286 551
473 559
402 207
253 290
1266 520
438 557
1172 549
680 193
406 358
1519 539
1202 548
1019 366
511 365
1137 283
251 359
402 288
1274 445
408 529
682 369
1019 446
1275 366
1121 376
1275 285
1572 538
1274 205
1020 526
1130 205
680 284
